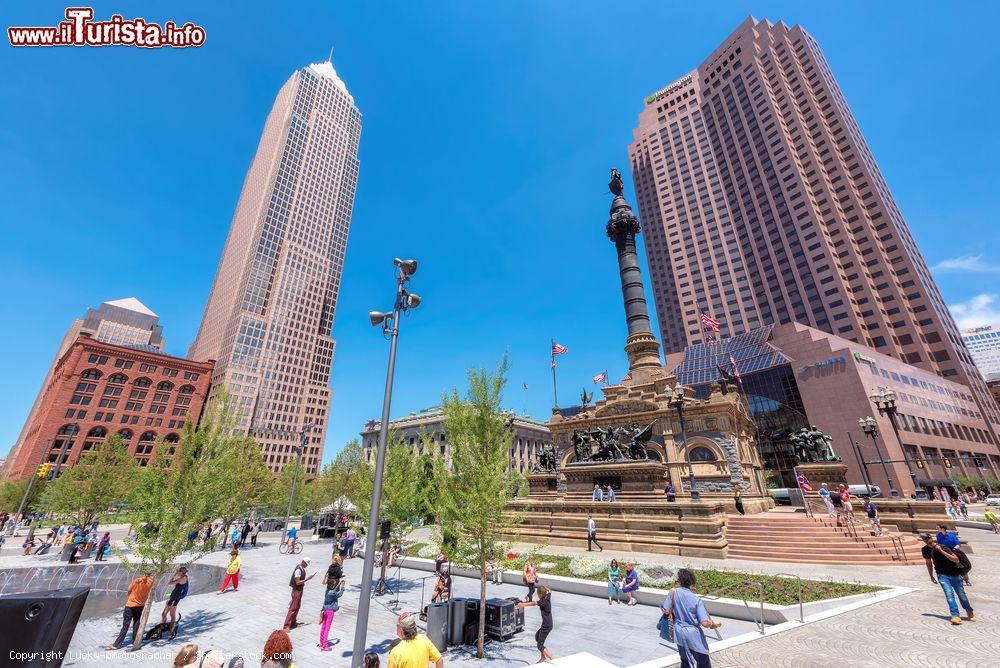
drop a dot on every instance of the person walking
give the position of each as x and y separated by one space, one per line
824 494
234 536
529 575
297 583
592 534
614 581
414 650
690 619
631 583
963 508
598 494
349 539
138 592
944 562
330 607
245 533
544 605
232 572
871 510
180 590
254 532
102 546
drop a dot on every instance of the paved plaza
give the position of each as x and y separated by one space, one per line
910 630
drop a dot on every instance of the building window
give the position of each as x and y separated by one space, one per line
143 382
702 454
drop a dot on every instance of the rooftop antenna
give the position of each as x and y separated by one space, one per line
330 57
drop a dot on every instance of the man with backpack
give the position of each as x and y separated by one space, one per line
952 567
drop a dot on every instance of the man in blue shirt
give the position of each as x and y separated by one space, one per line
690 617
293 534
947 538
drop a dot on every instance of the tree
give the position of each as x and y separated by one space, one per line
283 488
401 491
474 500
12 491
239 480
102 477
178 492
356 477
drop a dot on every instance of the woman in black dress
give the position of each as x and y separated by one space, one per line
544 605
739 500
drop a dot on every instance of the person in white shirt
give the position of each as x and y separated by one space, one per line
592 534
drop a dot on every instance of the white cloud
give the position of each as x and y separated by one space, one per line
973 263
983 309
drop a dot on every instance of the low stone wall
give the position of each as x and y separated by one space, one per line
908 515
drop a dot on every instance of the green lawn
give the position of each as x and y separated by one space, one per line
729 584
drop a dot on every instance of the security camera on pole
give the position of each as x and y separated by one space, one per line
390 326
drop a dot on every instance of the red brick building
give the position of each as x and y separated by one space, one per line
98 389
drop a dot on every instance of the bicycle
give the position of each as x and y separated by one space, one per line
295 549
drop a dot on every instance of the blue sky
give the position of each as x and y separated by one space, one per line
489 130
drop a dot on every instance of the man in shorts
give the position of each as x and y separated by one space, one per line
871 510
544 605
845 498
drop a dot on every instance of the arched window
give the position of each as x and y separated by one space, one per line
126 435
187 389
143 382
117 379
172 438
165 386
91 374
702 454
67 429
147 437
97 432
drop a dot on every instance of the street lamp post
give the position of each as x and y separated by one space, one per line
62 451
870 427
864 465
390 326
885 400
295 474
675 399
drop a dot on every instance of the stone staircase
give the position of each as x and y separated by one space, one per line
787 536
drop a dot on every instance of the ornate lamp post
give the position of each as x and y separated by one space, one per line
885 400
390 326
675 399
870 427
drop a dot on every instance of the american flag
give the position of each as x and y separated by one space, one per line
803 481
558 349
525 386
710 322
601 378
736 372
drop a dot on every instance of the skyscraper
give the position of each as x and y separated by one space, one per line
269 318
984 346
126 322
762 204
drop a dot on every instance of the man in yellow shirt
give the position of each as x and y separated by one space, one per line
414 650
138 592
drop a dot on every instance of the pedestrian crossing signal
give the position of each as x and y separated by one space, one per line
920 464
947 463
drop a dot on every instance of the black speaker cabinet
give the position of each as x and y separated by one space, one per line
503 617
36 627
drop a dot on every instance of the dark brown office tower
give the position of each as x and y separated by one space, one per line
762 204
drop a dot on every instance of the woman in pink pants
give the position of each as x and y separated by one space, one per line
330 608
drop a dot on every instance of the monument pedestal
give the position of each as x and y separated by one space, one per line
543 484
631 480
833 474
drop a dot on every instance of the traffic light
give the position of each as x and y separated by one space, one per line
978 462
43 469
920 463
947 463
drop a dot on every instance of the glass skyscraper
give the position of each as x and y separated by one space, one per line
269 318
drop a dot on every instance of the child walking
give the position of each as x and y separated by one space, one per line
232 571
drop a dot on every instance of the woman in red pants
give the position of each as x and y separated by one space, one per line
232 571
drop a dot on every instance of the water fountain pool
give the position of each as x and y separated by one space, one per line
108 583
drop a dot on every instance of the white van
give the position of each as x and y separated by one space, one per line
865 492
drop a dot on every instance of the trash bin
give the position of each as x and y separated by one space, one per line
461 611
66 552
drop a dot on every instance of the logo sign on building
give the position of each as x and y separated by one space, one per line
666 89
832 362
864 358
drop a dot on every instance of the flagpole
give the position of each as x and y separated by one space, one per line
555 396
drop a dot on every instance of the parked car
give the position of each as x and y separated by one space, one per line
993 500
865 492
781 495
